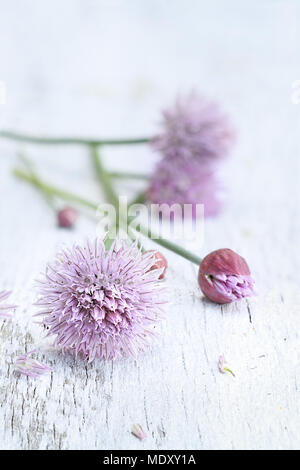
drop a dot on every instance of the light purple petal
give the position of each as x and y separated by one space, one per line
26 365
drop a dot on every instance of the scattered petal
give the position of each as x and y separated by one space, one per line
5 310
31 367
223 366
138 432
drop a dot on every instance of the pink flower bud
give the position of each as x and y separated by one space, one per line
67 217
159 263
224 276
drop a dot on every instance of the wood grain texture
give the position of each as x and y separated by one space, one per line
111 81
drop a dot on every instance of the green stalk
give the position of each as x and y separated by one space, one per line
127 175
179 250
69 140
111 194
86 203
47 196
104 177
139 199
105 180
230 371
54 190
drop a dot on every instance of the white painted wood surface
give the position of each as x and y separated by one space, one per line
105 68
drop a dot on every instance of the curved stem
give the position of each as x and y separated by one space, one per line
103 176
179 250
84 202
54 190
230 371
69 140
47 196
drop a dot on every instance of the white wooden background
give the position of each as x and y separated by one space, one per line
105 68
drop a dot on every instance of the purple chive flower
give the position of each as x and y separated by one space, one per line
224 276
185 183
99 303
196 135
5 310
138 432
26 365
67 217
194 129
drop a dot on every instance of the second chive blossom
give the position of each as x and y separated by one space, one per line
196 136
